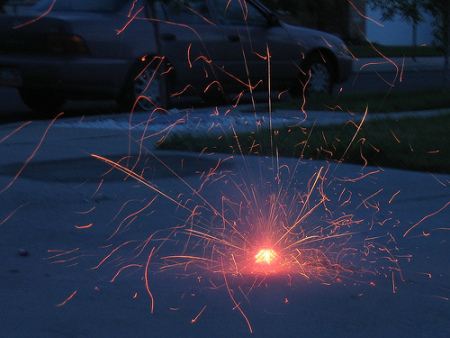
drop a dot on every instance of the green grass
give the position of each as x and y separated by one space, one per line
412 143
376 101
366 50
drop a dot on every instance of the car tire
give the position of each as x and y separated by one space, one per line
42 101
317 75
146 89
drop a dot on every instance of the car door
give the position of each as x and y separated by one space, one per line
191 41
252 35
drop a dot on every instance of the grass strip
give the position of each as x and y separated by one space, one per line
412 143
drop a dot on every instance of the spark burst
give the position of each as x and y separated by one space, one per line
263 230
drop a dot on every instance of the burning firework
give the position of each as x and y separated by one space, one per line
258 230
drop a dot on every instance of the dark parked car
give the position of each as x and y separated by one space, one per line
143 52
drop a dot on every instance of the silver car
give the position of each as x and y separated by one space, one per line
145 52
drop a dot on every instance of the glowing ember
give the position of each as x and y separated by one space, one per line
266 256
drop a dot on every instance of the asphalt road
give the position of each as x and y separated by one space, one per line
13 109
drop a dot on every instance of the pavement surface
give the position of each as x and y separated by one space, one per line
76 235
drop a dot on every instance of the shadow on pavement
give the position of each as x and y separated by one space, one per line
82 169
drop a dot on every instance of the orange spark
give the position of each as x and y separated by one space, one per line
132 8
38 18
237 306
11 214
83 226
67 299
14 131
189 55
123 268
396 138
394 288
328 44
119 31
199 314
84 212
147 286
392 198
32 154
424 218
362 15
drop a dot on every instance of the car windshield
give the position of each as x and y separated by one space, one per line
102 6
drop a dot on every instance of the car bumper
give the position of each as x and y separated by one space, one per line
345 66
66 76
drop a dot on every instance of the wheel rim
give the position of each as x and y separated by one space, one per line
147 91
320 80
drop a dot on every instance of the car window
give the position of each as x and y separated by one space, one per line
184 11
102 6
238 12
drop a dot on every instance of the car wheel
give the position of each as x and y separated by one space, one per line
41 101
317 76
146 89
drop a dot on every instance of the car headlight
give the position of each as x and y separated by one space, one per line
342 49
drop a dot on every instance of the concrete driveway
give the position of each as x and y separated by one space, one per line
76 240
